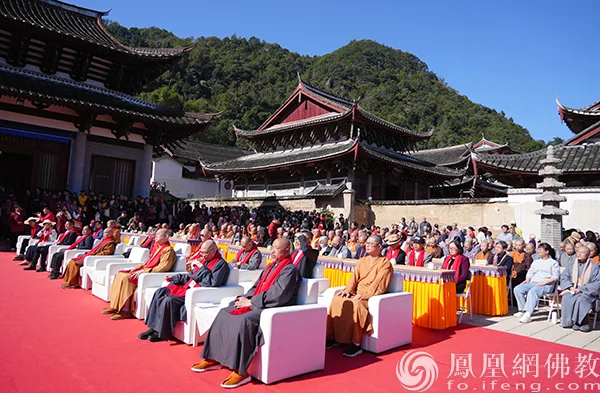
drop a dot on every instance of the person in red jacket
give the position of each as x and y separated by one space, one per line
272 229
47 215
17 225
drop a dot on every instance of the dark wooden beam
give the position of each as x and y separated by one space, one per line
17 53
81 66
52 55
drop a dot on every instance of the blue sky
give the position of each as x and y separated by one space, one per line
513 56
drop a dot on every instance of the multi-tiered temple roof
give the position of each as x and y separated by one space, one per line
579 156
316 128
584 122
61 56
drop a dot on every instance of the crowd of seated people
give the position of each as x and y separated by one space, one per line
296 240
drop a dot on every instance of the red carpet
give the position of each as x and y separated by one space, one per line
55 340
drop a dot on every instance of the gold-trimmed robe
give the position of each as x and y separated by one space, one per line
122 289
71 275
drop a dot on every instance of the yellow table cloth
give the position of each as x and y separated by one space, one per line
488 291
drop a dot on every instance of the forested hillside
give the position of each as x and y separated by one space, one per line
249 79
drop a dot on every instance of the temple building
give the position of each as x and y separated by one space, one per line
579 155
179 169
319 145
474 183
577 163
68 117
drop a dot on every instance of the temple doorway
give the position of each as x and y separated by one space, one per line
15 171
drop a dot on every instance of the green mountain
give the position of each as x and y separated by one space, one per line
249 79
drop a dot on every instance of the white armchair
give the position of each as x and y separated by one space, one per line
153 281
89 263
248 277
134 241
105 269
20 241
280 327
391 316
182 249
51 251
70 254
186 330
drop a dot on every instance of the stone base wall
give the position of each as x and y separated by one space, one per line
465 212
583 205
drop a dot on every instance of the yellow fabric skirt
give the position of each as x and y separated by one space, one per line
434 304
337 277
489 295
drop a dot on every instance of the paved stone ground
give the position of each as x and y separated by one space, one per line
539 328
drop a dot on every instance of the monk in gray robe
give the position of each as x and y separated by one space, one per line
249 257
235 334
581 284
168 303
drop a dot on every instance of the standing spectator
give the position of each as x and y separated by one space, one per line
17 225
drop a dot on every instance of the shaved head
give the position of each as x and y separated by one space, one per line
280 249
161 236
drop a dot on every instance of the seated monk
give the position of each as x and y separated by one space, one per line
581 283
116 231
459 263
348 318
162 258
485 253
83 242
235 335
593 252
106 247
168 304
230 232
304 258
434 249
418 256
249 257
521 262
149 240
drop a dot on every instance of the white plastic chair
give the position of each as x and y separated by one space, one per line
20 240
182 249
391 316
186 330
51 251
271 362
151 281
104 270
89 263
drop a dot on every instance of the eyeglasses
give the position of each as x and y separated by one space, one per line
372 244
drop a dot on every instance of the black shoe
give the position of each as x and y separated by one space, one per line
146 334
154 338
41 270
53 276
330 344
586 328
576 327
32 267
352 351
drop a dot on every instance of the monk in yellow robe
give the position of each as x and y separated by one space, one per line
348 318
485 252
106 247
116 231
162 258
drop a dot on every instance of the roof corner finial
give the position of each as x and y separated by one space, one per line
300 82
